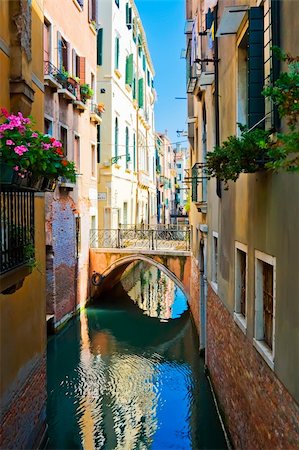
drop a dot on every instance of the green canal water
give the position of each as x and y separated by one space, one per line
126 373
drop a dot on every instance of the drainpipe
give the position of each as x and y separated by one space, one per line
217 120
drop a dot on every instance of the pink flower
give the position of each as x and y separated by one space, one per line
9 142
20 149
46 146
34 135
16 168
4 112
56 144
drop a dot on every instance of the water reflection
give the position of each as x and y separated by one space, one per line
154 292
118 379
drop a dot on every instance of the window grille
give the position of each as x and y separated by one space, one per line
17 228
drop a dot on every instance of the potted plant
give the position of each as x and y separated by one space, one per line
28 157
257 149
86 92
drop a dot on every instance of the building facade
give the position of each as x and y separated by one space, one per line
244 238
165 168
126 145
22 287
71 115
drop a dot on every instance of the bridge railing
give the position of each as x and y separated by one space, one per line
147 239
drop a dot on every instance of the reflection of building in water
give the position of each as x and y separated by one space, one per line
117 409
150 289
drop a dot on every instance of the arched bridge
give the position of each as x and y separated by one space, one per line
112 251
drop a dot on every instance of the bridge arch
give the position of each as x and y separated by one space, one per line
111 274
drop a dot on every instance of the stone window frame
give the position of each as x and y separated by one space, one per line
240 320
263 349
50 119
215 260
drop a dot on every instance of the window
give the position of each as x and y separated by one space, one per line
116 50
215 261
92 13
242 88
100 47
125 213
48 127
127 148
99 144
129 69
148 78
179 165
63 52
63 138
128 16
76 63
141 93
47 41
265 273
117 3
241 285
179 177
93 161
143 63
77 152
92 85
116 138
134 152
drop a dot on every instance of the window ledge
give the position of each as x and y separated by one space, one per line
214 286
117 73
265 352
13 279
92 29
77 5
128 88
240 321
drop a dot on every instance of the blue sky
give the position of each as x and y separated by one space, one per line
163 21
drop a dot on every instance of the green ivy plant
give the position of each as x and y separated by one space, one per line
257 149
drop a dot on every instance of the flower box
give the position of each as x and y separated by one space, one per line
49 185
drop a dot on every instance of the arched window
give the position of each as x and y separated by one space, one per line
127 148
116 139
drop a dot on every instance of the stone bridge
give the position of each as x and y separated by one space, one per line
107 266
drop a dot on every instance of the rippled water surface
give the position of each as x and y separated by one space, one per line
126 374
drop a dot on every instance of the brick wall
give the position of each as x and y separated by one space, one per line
23 419
61 266
259 411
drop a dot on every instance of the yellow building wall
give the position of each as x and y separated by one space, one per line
22 314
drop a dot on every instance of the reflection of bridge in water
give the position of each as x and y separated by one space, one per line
112 251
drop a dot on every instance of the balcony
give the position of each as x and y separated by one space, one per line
70 89
198 181
16 238
95 114
52 76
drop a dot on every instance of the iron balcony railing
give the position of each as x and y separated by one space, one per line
198 177
66 82
16 228
147 239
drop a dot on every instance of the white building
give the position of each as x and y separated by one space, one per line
126 146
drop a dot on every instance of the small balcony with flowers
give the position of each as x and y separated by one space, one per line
30 162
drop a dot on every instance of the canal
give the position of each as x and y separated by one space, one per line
126 373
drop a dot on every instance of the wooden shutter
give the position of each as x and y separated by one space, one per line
129 69
141 93
74 62
256 101
100 47
82 69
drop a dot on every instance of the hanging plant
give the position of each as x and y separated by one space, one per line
27 153
257 149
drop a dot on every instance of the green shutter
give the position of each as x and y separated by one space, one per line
143 63
140 93
129 70
256 101
116 61
134 88
100 47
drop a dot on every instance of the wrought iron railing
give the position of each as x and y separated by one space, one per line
16 228
147 239
198 176
66 82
